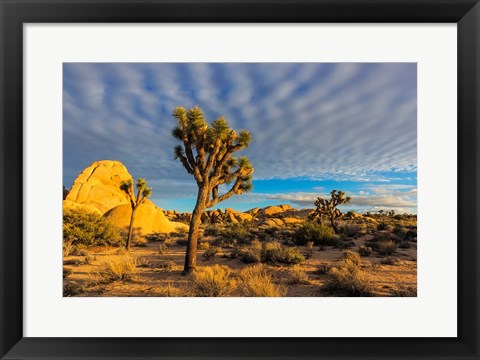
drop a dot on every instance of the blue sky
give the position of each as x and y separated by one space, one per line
315 126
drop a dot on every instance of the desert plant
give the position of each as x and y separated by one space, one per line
257 282
212 281
348 278
252 253
156 237
143 192
328 207
382 226
235 231
168 291
66 272
210 253
298 276
212 166
274 253
83 228
353 230
68 248
352 256
162 249
386 247
117 268
318 233
365 250
390 261
72 288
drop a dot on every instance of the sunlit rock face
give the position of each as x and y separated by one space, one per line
97 190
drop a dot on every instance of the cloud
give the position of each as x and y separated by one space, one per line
320 121
384 197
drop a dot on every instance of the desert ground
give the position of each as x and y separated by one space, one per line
373 255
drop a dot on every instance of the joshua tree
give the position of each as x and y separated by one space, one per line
142 193
328 207
206 153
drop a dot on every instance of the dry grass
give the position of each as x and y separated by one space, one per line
298 276
386 247
255 281
349 279
212 281
117 268
169 291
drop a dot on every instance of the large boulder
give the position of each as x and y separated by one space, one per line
148 219
98 186
274 210
97 189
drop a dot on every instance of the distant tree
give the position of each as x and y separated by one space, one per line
206 153
328 207
143 192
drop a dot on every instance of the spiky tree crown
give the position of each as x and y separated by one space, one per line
206 153
142 191
328 207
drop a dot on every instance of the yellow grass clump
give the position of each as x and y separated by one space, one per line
255 281
349 278
212 281
121 267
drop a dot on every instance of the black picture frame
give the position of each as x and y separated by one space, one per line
14 13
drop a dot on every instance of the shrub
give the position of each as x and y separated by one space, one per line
156 237
257 282
212 281
365 250
274 253
386 247
210 253
117 268
81 227
162 249
252 253
352 256
68 248
349 279
319 234
299 276
382 226
168 291
352 230
389 261
235 231
167 265
72 288
324 268
204 246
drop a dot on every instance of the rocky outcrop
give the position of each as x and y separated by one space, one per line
148 219
98 186
97 190
274 210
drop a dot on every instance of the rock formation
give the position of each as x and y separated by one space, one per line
97 189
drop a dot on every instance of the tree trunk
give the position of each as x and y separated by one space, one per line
130 229
334 226
191 255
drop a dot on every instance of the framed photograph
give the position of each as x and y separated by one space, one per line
240 180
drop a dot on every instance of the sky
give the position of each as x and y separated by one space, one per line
316 127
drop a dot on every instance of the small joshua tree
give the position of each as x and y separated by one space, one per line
143 192
206 153
328 207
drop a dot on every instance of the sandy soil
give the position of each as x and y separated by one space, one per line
160 274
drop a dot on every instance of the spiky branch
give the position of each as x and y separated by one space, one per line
328 207
206 152
143 192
